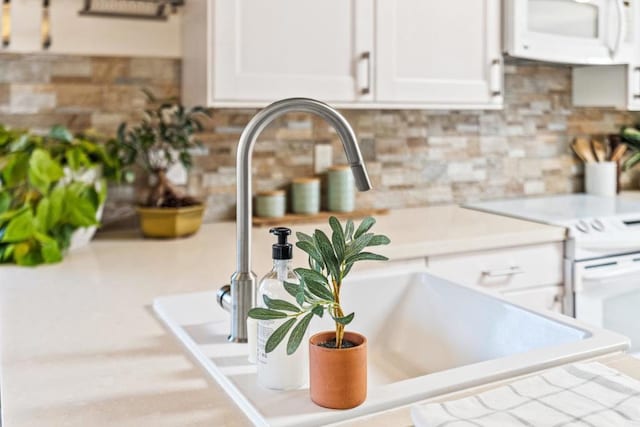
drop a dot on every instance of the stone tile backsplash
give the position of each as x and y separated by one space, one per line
414 157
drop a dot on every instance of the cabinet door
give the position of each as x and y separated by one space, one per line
544 298
267 50
504 269
439 53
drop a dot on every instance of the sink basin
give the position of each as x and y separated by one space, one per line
426 336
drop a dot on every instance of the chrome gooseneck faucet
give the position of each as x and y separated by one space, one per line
239 297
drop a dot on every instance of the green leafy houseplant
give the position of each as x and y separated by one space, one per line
330 261
162 139
45 194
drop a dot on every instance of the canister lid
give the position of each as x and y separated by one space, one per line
305 180
271 193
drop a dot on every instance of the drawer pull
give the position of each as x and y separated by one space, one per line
511 271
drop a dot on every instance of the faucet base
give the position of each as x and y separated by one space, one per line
243 298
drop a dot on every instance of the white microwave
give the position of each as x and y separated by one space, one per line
571 31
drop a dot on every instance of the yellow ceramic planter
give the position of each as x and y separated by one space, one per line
170 222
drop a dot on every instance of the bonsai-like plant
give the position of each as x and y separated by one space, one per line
330 261
162 139
46 194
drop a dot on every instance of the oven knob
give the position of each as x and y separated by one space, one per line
597 225
582 226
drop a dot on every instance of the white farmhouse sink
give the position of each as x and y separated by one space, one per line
426 336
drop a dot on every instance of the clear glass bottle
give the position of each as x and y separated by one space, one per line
278 370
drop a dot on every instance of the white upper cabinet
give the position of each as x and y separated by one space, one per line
262 51
351 53
74 34
439 53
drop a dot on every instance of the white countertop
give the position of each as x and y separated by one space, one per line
81 347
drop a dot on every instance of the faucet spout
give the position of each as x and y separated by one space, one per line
243 281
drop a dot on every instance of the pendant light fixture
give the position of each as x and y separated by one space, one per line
138 9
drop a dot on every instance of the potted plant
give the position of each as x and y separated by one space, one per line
337 359
161 140
52 190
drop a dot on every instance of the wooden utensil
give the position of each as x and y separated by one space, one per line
618 153
583 149
599 150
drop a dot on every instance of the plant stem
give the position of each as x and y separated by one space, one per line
337 312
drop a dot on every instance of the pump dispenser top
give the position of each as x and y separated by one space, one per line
283 249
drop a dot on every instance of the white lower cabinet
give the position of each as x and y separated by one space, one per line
543 298
531 275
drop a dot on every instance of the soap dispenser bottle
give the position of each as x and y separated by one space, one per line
278 370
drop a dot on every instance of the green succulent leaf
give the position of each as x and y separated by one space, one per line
77 158
5 201
20 228
15 169
279 304
358 245
366 256
344 320
319 290
43 170
379 240
291 288
318 310
302 237
6 251
278 335
328 255
365 225
348 230
62 233
79 208
298 334
56 204
49 248
301 295
311 275
337 238
43 223
310 249
266 314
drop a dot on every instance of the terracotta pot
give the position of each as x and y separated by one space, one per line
170 222
338 376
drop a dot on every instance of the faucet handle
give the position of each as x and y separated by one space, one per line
223 296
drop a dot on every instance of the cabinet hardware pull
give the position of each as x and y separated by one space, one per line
622 27
45 27
6 23
494 78
511 271
366 56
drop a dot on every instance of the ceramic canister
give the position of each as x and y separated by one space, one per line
341 189
305 195
271 204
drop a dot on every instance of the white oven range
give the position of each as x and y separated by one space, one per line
602 255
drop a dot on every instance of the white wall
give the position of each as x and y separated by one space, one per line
90 35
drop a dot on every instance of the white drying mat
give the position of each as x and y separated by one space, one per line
580 395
